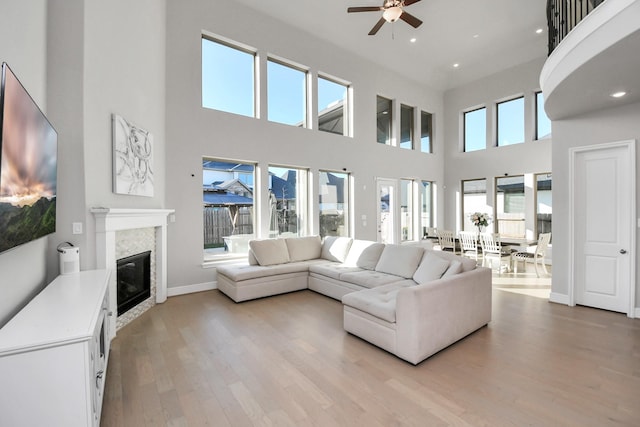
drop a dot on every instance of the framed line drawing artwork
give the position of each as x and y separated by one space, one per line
132 158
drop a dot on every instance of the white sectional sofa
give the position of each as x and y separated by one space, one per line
406 299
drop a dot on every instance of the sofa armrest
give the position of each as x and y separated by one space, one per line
432 316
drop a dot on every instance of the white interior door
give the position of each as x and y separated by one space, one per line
603 214
387 211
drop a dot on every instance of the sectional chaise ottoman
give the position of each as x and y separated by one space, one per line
406 299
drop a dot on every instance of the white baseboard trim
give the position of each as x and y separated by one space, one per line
189 289
636 314
559 298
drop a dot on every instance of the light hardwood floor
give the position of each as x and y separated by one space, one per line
201 359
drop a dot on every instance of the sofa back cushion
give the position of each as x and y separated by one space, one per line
400 260
454 268
432 267
335 248
303 248
364 254
270 251
252 258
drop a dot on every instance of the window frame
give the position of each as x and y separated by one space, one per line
429 133
347 202
464 129
254 70
501 103
347 112
537 108
407 111
301 197
389 114
496 213
536 211
306 123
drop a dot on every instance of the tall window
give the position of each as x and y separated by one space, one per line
474 199
426 127
510 206
383 120
334 203
228 80
426 206
406 210
475 129
543 124
333 106
543 203
228 214
406 127
286 94
511 122
287 201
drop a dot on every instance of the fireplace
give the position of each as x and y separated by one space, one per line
133 280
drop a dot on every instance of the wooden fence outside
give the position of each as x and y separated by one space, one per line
217 224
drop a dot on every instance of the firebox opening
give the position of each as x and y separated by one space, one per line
133 280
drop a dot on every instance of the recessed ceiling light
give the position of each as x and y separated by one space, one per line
475 36
413 40
456 65
539 31
618 94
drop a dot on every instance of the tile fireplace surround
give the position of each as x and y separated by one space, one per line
108 222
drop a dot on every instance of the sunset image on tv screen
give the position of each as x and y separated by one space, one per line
28 170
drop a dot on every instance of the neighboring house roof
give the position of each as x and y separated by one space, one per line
211 198
226 166
284 189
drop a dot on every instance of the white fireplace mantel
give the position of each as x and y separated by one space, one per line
110 220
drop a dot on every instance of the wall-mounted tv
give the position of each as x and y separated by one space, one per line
28 166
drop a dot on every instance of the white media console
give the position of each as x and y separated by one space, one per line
54 354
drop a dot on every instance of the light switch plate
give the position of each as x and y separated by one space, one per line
77 228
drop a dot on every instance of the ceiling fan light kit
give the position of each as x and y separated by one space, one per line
392 10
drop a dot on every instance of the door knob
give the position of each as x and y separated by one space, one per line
622 251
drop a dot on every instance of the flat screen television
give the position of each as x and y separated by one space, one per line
28 166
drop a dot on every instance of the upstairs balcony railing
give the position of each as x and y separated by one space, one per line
564 15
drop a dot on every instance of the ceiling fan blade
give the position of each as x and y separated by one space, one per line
410 2
376 27
365 9
410 19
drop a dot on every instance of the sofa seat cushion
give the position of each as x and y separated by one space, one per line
400 260
242 272
379 302
333 270
369 278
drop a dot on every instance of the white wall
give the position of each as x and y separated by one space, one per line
23 42
615 124
528 158
194 132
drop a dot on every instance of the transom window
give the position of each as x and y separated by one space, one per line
475 129
543 124
425 131
383 120
288 201
334 205
228 78
286 94
333 106
511 122
406 127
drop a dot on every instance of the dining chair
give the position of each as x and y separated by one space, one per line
446 240
469 244
492 249
536 256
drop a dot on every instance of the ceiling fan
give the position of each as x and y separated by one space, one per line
392 10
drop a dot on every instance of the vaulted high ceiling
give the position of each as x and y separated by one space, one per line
482 36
